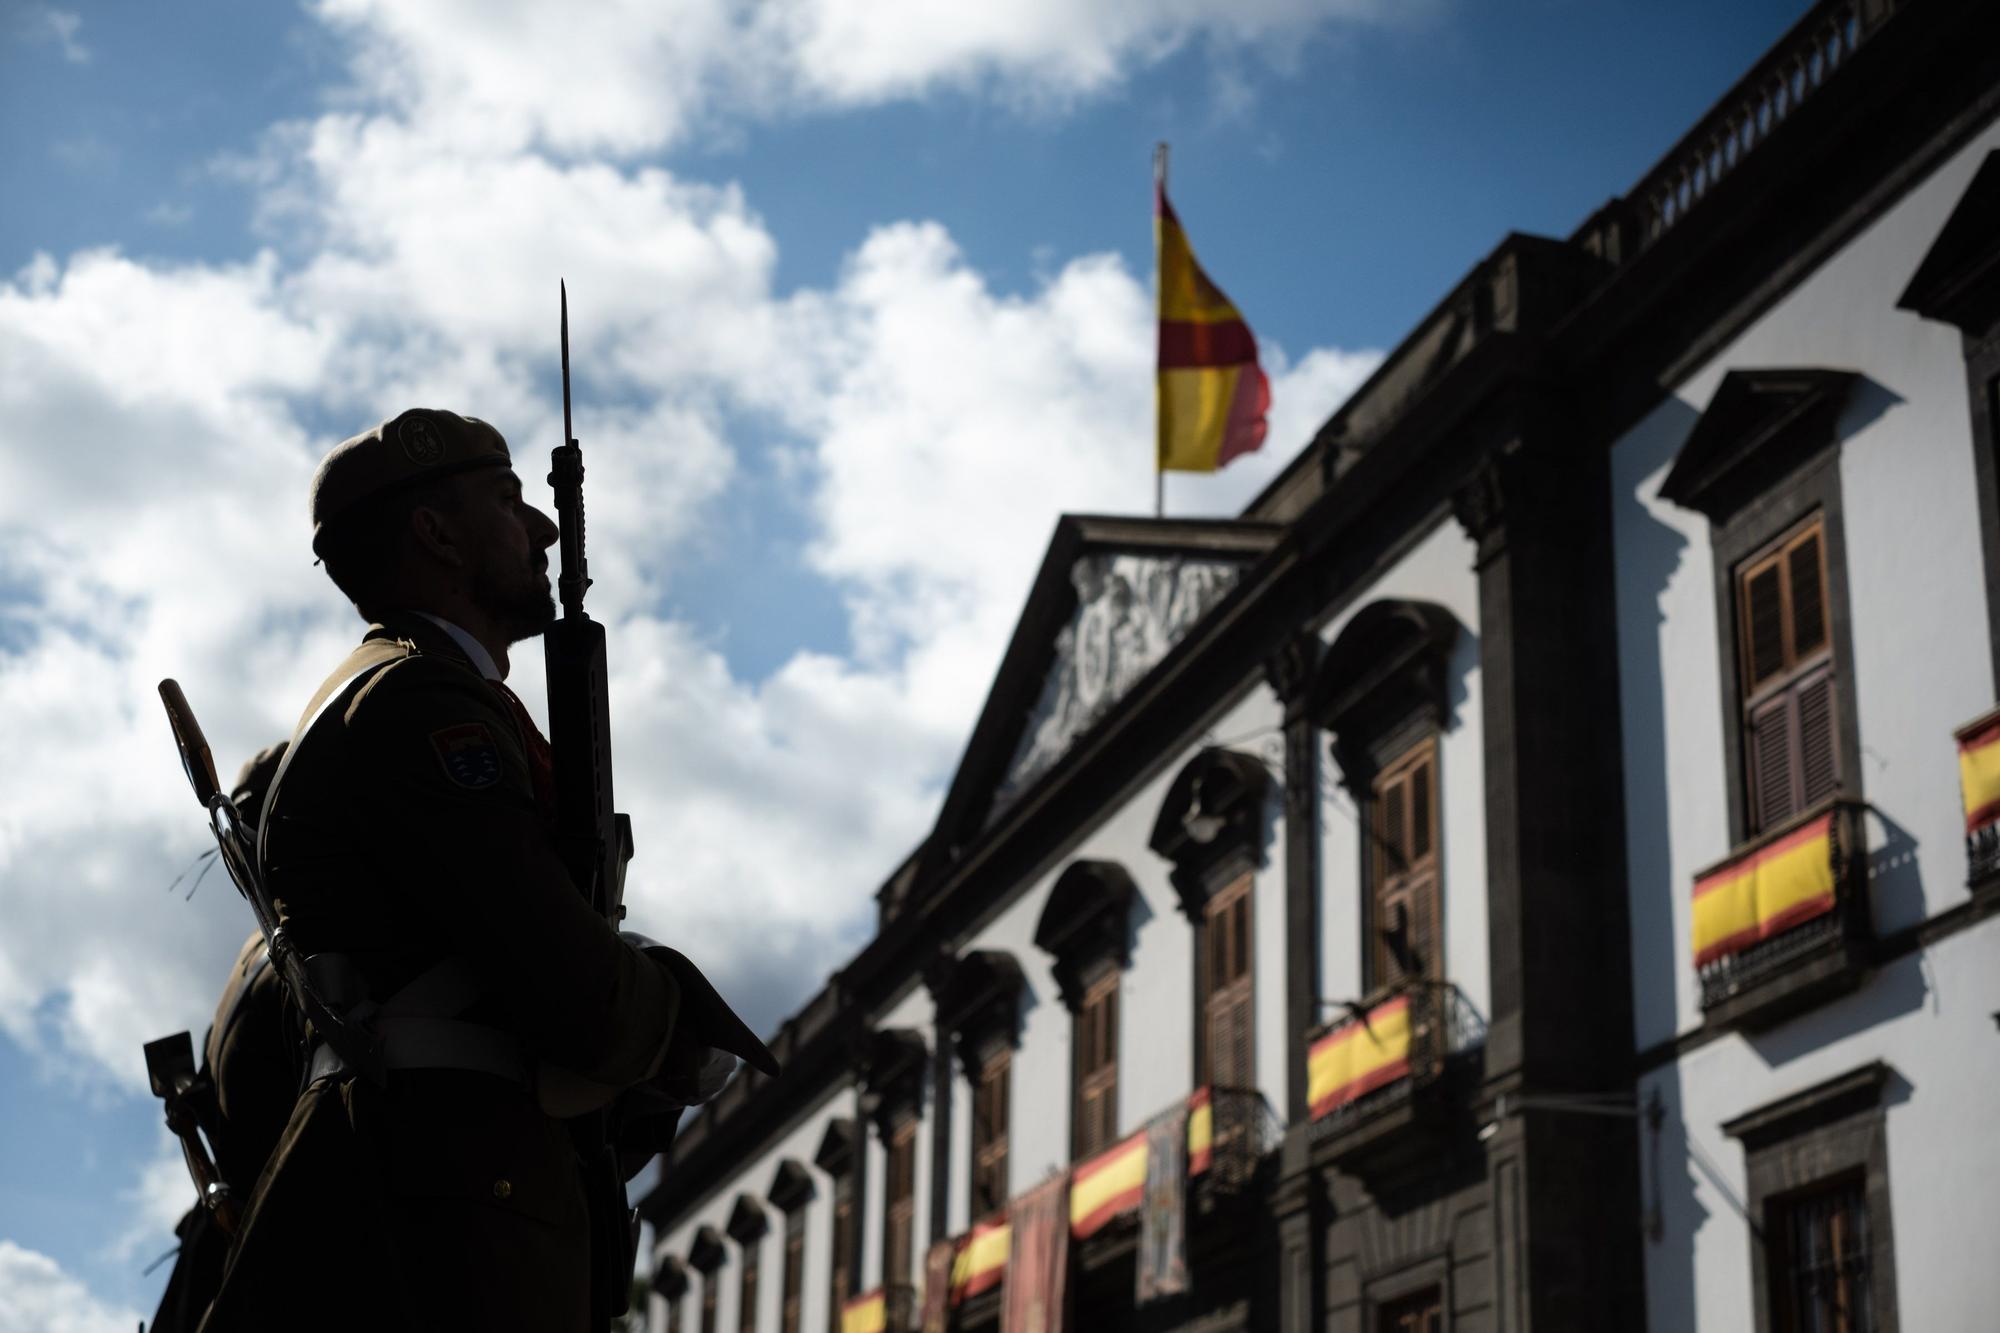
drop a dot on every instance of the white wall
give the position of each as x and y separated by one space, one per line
1916 596
800 1142
1439 569
1929 1017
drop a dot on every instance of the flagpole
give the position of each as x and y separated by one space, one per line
1159 193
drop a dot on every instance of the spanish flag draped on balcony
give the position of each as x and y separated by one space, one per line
1211 393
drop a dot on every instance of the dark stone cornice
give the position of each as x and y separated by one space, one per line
1083 923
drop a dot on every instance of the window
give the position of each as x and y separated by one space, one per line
1419 1313
841 1285
673 1314
1404 926
990 1106
709 1284
794 1274
899 1216
1094 1122
746 1308
1817 1182
1791 759
1228 1014
1819 1278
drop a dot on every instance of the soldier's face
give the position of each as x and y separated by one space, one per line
510 579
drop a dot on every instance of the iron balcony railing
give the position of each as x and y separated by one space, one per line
1792 893
1387 1049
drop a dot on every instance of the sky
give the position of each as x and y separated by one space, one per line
860 303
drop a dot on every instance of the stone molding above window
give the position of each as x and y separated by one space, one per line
1384 673
978 998
748 1221
707 1252
669 1279
1958 281
791 1186
1759 426
1211 825
892 1064
1084 925
836 1152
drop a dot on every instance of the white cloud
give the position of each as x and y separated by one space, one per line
37 23
154 1205
158 424
627 77
37 1296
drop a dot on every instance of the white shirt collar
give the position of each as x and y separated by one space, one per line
471 647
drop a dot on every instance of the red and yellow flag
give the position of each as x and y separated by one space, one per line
1358 1057
1108 1184
981 1261
1211 394
867 1313
1201 1130
1764 892
1979 772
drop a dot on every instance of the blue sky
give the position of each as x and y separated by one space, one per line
859 310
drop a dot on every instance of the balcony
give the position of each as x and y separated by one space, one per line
1782 923
1390 1085
1231 1133
1979 790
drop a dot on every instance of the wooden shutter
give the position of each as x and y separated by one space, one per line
1229 1004
1095 1118
840 1285
793 1288
990 1105
746 1308
899 1216
1406 926
1790 716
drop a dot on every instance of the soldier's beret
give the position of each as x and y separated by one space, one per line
421 445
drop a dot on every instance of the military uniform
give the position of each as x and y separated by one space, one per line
407 837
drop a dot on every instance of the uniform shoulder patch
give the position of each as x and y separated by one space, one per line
469 753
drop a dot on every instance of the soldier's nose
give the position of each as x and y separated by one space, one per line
542 528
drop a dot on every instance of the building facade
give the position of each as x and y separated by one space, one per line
1535 869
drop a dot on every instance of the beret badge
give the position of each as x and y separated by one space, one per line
420 443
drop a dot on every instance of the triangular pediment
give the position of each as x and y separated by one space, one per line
1958 281
1759 424
1113 599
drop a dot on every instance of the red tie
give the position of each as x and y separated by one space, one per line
541 759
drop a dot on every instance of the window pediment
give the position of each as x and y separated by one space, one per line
1386 669
835 1154
1211 824
1759 426
1958 281
706 1253
978 1002
791 1185
669 1278
1084 923
892 1074
747 1220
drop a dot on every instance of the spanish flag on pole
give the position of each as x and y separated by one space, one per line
1211 393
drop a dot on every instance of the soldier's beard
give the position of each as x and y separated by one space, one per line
522 606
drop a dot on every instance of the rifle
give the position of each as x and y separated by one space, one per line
593 841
